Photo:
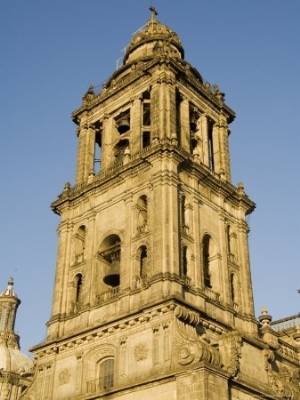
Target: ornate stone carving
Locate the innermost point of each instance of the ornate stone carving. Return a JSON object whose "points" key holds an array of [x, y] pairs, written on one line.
{"points": [[141, 352], [191, 346], [64, 376], [284, 382], [232, 348]]}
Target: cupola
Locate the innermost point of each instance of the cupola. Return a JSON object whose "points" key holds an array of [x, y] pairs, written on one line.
{"points": [[154, 39]]}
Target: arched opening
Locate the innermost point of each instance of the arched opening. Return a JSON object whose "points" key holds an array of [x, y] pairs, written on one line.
{"points": [[142, 212], [143, 261], [110, 253], [76, 295], [205, 261], [79, 244], [78, 283], [210, 264]]}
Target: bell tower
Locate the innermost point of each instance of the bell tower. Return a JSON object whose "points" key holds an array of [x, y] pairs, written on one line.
{"points": [[153, 294]]}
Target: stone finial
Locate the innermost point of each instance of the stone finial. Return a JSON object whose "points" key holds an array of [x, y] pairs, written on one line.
{"points": [[67, 186], [241, 189], [296, 335], [265, 318]]}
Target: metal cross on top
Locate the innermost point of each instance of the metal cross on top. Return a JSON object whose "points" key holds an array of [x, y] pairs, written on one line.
{"points": [[153, 11]]}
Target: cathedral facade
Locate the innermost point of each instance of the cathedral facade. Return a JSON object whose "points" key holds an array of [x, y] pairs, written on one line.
{"points": [[153, 294]]}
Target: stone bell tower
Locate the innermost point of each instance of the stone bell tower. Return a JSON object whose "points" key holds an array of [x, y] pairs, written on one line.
{"points": [[153, 294]]}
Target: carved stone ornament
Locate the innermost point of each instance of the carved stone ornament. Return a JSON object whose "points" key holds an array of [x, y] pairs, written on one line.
{"points": [[64, 376], [186, 354], [190, 346], [231, 351], [285, 383], [141, 352]]}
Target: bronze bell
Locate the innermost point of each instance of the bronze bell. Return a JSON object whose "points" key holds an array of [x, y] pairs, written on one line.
{"points": [[112, 278], [123, 125]]}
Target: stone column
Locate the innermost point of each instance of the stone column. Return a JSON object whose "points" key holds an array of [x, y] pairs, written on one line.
{"points": [[216, 162], [86, 151], [107, 156], [135, 123], [224, 149], [204, 135], [60, 303], [185, 124]]}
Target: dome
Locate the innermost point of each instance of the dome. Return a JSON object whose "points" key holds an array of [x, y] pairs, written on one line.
{"points": [[13, 360], [153, 38], [9, 291]]}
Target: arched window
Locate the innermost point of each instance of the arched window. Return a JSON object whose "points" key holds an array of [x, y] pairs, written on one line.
{"points": [[77, 294], [143, 261], [210, 264], [142, 214], [78, 281], [205, 261], [79, 244], [110, 253], [106, 373]]}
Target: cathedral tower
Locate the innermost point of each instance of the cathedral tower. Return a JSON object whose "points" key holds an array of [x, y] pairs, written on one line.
{"points": [[153, 294]]}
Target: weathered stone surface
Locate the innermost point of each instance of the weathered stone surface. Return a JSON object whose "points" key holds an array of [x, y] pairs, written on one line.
{"points": [[153, 296]]}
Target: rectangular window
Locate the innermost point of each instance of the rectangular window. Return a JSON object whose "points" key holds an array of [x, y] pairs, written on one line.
{"points": [[107, 374]]}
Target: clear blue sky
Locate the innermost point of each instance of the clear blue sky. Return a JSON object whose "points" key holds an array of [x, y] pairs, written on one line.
{"points": [[52, 50]]}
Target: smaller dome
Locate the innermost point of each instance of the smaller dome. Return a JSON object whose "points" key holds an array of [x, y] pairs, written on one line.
{"points": [[13, 360], [154, 37], [9, 291]]}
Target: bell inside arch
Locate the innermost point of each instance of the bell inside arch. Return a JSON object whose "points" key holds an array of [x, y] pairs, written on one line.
{"points": [[112, 277], [123, 125]]}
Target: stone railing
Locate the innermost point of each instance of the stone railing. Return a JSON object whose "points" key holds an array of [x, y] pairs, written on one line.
{"points": [[211, 294], [141, 282], [291, 322], [108, 295]]}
